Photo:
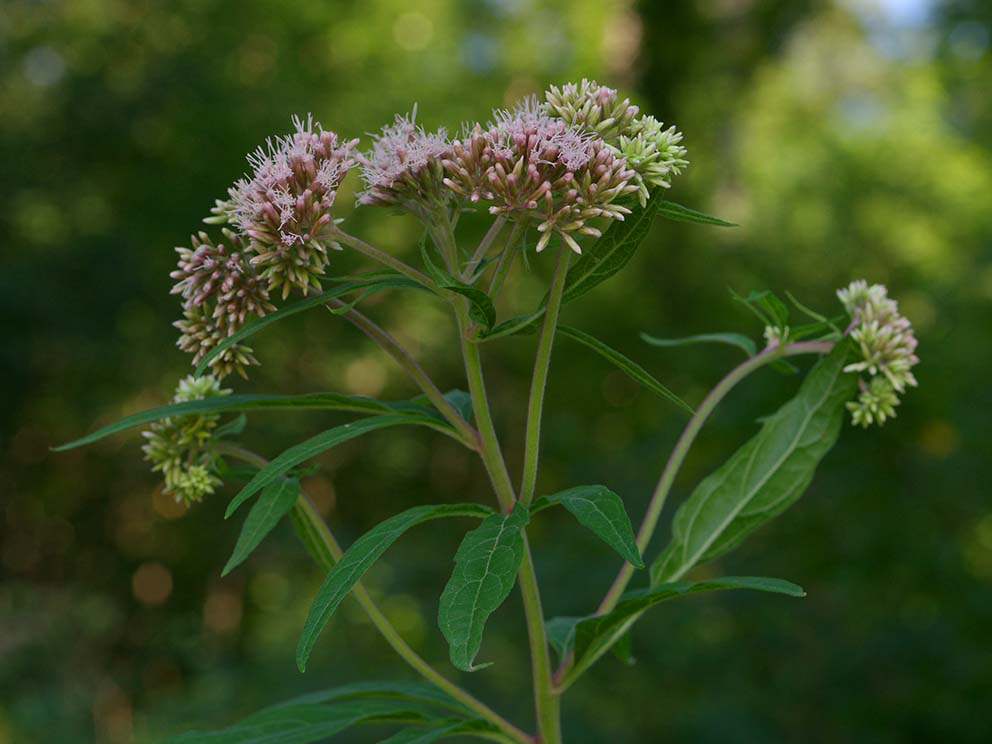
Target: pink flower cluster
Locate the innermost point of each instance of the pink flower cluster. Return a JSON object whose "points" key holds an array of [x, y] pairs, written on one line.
{"points": [[284, 206], [536, 167]]}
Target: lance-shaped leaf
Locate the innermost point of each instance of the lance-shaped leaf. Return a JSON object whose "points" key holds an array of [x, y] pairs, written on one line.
{"points": [[228, 403], [626, 365], [303, 724], [481, 308], [366, 286], [591, 637], [678, 213], [733, 339], [421, 692], [764, 476], [601, 511], [359, 558], [324, 441], [427, 734], [276, 500], [486, 566]]}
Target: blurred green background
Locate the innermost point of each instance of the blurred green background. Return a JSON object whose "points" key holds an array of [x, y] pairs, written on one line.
{"points": [[849, 139]]}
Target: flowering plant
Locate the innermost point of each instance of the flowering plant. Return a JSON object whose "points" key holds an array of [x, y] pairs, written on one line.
{"points": [[580, 174]]}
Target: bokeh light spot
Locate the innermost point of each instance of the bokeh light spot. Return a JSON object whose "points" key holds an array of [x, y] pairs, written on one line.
{"points": [[151, 584]]}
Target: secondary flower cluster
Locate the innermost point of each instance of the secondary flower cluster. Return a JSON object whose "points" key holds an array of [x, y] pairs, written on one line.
{"points": [[180, 447], [887, 347]]}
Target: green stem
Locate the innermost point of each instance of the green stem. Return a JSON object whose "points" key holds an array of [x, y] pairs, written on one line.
{"points": [[326, 551], [489, 449], [546, 702], [685, 442], [505, 262], [562, 678], [484, 245], [542, 363], [382, 257], [417, 373]]}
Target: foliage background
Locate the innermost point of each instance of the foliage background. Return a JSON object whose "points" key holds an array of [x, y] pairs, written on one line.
{"points": [[848, 138]]}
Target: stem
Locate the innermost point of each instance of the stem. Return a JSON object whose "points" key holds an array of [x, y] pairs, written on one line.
{"points": [[484, 245], [489, 447], [382, 257], [684, 443], [326, 551], [505, 262], [546, 702], [393, 347], [542, 362]]}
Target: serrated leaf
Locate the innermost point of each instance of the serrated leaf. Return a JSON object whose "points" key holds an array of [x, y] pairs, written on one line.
{"points": [[678, 213], [764, 476], [322, 442], [304, 724], [593, 636], [486, 566], [732, 339], [602, 512], [626, 365], [359, 558], [226, 403], [613, 251], [276, 500], [370, 285]]}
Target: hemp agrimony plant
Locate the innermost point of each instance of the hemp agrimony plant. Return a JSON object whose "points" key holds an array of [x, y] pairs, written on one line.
{"points": [[581, 176]]}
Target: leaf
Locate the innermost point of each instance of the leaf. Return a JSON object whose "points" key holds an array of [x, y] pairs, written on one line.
{"points": [[404, 689], [600, 510], [486, 566], [232, 428], [519, 324], [427, 735], [623, 649], [221, 404], [733, 339], [276, 500], [360, 557], [322, 442], [629, 367], [593, 636], [769, 309], [481, 308], [678, 213], [764, 476], [610, 253], [303, 724], [372, 284], [560, 632]]}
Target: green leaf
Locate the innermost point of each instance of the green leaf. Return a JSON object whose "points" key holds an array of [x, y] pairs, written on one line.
{"points": [[764, 476], [629, 367], [517, 325], [600, 510], [221, 404], [560, 632], [404, 689], [613, 251], [486, 566], [322, 442], [481, 308], [232, 428], [593, 636], [678, 213], [769, 309], [304, 724], [426, 735], [372, 284], [276, 500], [623, 649], [733, 339], [359, 558]]}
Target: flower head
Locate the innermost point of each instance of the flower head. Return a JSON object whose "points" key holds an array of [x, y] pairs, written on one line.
{"points": [[404, 167], [886, 345], [180, 447], [533, 166], [220, 290], [284, 206], [591, 106], [653, 153]]}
